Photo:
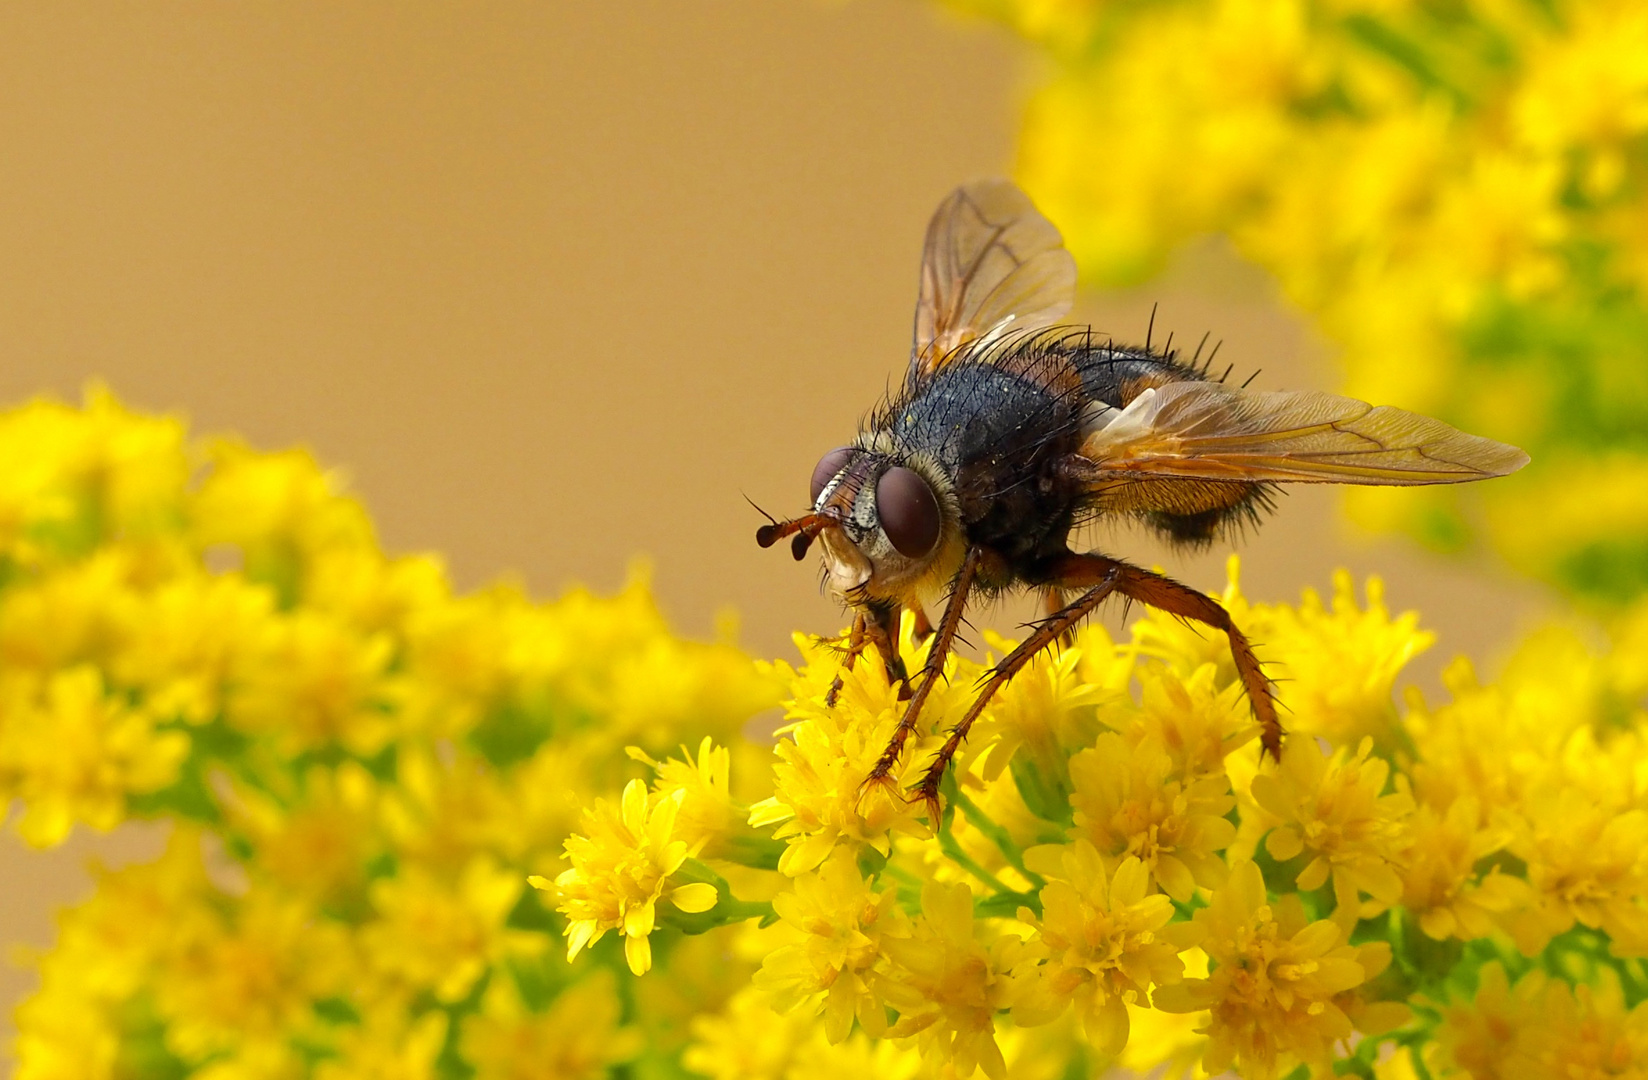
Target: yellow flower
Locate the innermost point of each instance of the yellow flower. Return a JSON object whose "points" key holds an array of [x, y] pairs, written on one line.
{"points": [[77, 476], [1100, 932], [1129, 803], [621, 867], [320, 838], [244, 981], [391, 1043], [1587, 1031], [1335, 810], [182, 638], [748, 1040], [820, 797], [1271, 993], [1047, 710], [442, 934], [1586, 862], [1441, 884], [948, 982], [841, 924], [1479, 1037], [1338, 667], [1196, 720], [707, 812], [1536, 1028], [577, 1037], [78, 614], [306, 681], [442, 810], [75, 753], [277, 507]]}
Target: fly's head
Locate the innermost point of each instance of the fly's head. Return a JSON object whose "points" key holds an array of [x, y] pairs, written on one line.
{"points": [[881, 521]]}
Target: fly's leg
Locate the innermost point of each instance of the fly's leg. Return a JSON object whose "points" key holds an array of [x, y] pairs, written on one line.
{"points": [[1052, 599], [1046, 632], [881, 627], [857, 639], [1165, 594], [931, 670], [922, 628], [1102, 576]]}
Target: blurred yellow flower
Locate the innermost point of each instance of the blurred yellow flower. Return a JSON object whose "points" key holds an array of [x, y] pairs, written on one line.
{"points": [[73, 753], [578, 1037], [1440, 880], [444, 934], [948, 983]]}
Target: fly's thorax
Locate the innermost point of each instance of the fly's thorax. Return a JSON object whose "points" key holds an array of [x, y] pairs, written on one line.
{"points": [[898, 523]]}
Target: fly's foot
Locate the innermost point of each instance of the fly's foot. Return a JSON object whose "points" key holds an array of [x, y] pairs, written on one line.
{"points": [[880, 779], [926, 793]]}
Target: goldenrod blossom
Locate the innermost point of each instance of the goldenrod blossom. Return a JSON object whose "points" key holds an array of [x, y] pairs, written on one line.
{"points": [[1129, 803], [843, 924], [1100, 932], [948, 983], [361, 769], [1273, 983], [620, 869], [1338, 812]]}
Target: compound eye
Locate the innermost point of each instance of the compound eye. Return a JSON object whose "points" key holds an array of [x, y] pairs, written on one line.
{"points": [[827, 467], [908, 510]]}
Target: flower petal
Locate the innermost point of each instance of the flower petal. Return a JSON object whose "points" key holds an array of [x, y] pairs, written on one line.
{"points": [[694, 897]]}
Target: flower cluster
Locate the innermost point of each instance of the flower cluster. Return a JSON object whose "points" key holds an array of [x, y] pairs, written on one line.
{"points": [[1115, 859], [362, 769], [1455, 193], [423, 835]]}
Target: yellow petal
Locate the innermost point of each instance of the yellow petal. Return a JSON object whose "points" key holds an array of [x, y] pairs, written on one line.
{"points": [[694, 897], [635, 808], [638, 951]]}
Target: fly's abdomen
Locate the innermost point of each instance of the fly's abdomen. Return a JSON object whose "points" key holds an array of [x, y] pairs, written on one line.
{"points": [[1189, 512]]}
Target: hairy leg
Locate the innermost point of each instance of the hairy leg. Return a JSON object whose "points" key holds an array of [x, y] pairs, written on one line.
{"points": [[1165, 594], [881, 627], [923, 628], [1102, 576], [857, 640], [1045, 633], [931, 670], [1052, 600]]}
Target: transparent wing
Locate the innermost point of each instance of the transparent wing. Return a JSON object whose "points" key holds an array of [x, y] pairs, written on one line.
{"points": [[991, 263], [1215, 432]]}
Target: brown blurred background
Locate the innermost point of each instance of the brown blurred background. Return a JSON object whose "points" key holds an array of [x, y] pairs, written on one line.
{"points": [[554, 284]]}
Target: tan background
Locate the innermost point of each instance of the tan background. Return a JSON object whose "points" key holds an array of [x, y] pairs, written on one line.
{"points": [[554, 284]]}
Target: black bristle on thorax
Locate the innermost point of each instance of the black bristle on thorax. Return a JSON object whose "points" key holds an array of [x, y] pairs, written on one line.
{"points": [[997, 419]]}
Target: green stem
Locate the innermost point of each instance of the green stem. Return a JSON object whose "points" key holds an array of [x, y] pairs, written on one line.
{"points": [[997, 835], [947, 842]]}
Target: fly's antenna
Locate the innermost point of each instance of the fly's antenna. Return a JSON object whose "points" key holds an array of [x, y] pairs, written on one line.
{"points": [[805, 529]]}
